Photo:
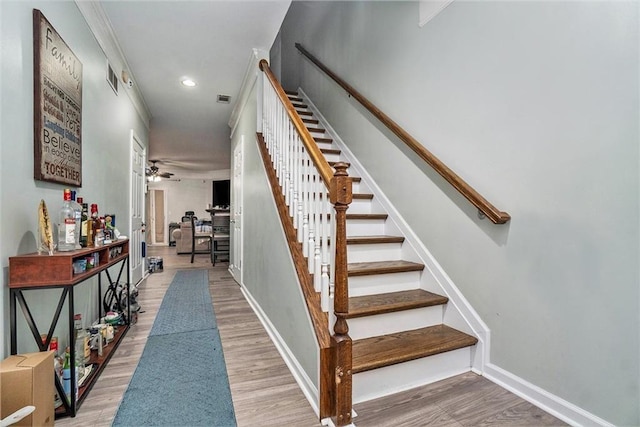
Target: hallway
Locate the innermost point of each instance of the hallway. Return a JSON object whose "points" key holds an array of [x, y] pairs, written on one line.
{"points": [[263, 389]]}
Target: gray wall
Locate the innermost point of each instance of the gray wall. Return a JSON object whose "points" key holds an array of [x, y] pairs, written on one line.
{"points": [[535, 104], [268, 270], [107, 120]]}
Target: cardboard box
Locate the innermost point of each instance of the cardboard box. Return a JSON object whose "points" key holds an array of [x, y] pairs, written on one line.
{"points": [[27, 379]]}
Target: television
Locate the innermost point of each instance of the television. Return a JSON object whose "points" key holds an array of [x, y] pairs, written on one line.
{"points": [[222, 193]]}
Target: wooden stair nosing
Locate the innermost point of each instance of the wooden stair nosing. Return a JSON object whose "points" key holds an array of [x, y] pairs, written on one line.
{"points": [[359, 196], [291, 92], [304, 113], [386, 350], [330, 151], [382, 267], [376, 216], [367, 240], [298, 104], [369, 305], [310, 121], [325, 140], [317, 130]]}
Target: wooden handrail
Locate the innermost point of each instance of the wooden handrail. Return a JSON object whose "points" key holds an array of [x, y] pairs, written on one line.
{"points": [[312, 148], [494, 214]]}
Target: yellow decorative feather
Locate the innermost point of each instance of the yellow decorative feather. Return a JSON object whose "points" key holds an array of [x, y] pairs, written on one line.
{"points": [[46, 234]]}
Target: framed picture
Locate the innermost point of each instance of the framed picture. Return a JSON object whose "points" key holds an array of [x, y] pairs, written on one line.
{"points": [[57, 107]]}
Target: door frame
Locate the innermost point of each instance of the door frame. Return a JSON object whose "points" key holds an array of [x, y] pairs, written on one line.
{"points": [[151, 220], [133, 141], [235, 234]]}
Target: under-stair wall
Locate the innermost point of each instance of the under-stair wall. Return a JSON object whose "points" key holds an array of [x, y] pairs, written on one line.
{"points": [[268, 276], [542, 122]]}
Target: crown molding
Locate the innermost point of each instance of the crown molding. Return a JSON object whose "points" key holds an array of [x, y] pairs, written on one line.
{"points": [[100, 26]]}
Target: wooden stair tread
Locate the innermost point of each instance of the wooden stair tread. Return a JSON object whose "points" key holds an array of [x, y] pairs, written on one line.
{"points": [[365, 240], [376, 216], [385, 350], [297, 104], [362, 196], [359, 196], [382, 267], [320, 139], [310, 121], [317, 130], [304, 113], [394, 301], [330, 151]]}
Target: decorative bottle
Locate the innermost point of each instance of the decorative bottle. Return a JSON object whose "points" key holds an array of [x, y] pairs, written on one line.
{"points": [[77, 210], [66, 376], [83, 222], [66, 224], [80, 343]]}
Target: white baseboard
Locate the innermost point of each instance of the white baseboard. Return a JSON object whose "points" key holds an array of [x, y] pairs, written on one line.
{"points": [[306, 385], [556, 406]]}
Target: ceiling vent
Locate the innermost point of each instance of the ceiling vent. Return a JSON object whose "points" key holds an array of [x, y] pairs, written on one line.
{"points": [[224, 99]]}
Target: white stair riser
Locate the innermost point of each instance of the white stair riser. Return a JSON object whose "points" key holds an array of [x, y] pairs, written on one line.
{"points": [[390, 323], [404, 376], [383, 283], [374, 252], [365, 227], [331, 157], [360, 206]]}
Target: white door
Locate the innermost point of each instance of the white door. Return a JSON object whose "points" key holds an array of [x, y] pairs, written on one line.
{"points": [[136, 209], [235, 265]]}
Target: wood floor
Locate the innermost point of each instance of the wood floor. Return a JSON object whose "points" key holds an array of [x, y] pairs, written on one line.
{"points": [[264, 391]]}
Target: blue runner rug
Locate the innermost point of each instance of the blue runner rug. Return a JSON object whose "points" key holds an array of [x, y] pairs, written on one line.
{"points": [[181, 378]]}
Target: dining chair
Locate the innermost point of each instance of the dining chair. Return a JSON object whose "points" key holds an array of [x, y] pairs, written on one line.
{"points": [[200, 236]]}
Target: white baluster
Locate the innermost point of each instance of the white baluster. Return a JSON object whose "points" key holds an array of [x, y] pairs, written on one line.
{"points": [[305, 204], [297, 219], [326, 209], [312, 218]]}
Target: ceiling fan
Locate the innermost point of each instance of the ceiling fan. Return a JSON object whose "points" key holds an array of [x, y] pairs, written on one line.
{"points": [[153, 172]]}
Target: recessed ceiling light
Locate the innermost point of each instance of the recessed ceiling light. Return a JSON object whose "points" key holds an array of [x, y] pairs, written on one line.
{"points": [[188, 83]]}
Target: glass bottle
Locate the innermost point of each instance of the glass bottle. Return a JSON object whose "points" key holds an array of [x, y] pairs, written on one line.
{"points": [[58, 362], [77, 210], [83, 222], [98, 238], [66, 374], [81, 343], [66, 224]]}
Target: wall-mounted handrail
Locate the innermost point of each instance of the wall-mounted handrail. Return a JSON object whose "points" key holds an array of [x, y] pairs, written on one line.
{"points": [[490, 211]]}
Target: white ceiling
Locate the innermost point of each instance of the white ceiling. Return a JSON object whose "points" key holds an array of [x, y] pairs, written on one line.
{"points": [[208, 41]]}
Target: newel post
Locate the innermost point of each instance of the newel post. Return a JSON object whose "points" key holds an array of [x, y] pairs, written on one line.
{"points": [[340, 196]]}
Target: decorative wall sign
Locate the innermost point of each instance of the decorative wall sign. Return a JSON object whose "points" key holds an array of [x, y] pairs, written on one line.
{"points": [[57, 106]]}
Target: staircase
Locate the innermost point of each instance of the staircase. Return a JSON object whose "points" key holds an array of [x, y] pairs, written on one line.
{"points": [[400, 339]]}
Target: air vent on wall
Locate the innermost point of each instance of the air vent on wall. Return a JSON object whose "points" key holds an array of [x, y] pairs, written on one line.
{"points": [[112, 78], [224, 99]]}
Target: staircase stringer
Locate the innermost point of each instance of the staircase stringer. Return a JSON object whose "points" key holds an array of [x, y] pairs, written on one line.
{"points": [[459, 313]]}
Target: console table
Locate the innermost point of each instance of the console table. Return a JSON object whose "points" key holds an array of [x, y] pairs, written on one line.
{"points": [[33, 271]]}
